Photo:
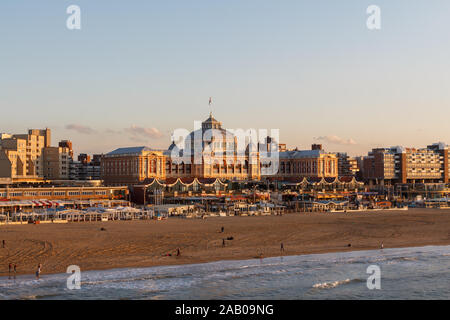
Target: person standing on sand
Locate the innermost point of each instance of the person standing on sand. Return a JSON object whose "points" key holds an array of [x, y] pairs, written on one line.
{"points": [[9, 268], [178, 252], [382, 246], [38, 272], [260, 254], [3, 243], [222, 229], [282, 247], [15, 270], [223, 243]]}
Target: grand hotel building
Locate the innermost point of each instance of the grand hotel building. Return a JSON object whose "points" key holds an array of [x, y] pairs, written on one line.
{"points": [[213, 156]]}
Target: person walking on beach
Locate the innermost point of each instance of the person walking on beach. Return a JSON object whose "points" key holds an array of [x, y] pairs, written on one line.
{"points": [[222, 229], [15, 270], [382, 246], [178, 252], [223, 243], [3, 244], [9, 269], [282, 247], [38, 271]]}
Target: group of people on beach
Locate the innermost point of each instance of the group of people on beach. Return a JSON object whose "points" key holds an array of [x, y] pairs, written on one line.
{"points": [[12, 267]]}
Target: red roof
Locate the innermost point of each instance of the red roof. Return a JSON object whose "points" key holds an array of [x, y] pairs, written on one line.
{"points": [[170, 180]]}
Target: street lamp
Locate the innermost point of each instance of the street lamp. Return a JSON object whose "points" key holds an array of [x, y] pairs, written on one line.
{"points": [[144, 190]]}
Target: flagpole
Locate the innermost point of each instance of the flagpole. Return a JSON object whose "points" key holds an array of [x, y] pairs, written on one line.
{"points": [[210, 107]]}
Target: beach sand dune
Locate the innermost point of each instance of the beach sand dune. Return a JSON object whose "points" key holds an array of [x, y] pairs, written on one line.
{"points": [[151, 243]]}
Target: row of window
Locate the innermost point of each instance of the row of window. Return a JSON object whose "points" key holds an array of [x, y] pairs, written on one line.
{"points": [[50, 193]]}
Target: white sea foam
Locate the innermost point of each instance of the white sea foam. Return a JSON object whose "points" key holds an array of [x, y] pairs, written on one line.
{"points": [[329, 285]]}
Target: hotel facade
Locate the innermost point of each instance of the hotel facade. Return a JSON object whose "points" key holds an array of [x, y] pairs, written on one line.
{"points": [[218, 158], [400, 165], [314, 163], [214, 152]]}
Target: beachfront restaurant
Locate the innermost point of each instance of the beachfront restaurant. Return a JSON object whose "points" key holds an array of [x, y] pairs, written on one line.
{"points": [[32, 210], [175, 186], [315, 184], [440, 203], [167, 210], [323, 206]]}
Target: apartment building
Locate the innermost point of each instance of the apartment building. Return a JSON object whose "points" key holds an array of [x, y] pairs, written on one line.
{"points": [[21, 155], [67, 144], [347, 166], [31, 158], [388, 166], [85, 168], [56, 163], [13, 158]]}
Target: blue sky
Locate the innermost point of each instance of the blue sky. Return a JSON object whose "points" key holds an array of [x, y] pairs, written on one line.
{"points": [[139, 69]]}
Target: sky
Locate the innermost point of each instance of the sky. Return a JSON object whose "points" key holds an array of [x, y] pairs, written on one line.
{"points": [[137, 70]]}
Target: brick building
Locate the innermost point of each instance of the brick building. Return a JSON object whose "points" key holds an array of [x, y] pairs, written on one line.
{"points": [[217, 157], [388, 166], [315, 163]]}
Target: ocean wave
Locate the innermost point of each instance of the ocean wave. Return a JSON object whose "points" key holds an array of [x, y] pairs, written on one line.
{"points": [[322, 276], [30, 297], [136, 279], [332, 284]]}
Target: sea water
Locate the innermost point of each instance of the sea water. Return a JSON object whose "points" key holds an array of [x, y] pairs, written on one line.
{"points": [[406, 273]]}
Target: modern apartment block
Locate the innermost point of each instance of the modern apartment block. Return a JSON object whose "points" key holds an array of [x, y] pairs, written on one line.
{"points": [[21, 155], [67, 144], [31, 158], [388, 166], [85, 168], [56, 163], [347, 166]]}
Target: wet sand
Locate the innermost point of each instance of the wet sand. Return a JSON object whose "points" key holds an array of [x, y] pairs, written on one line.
{"points": [[146, 243]]}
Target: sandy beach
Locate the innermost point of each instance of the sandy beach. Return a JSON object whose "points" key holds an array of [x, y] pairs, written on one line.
{"points": [[146, 243]]}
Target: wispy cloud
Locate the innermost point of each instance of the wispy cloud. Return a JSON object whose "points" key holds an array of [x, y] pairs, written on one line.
{"points": [[138, 133], [80, 128], [336, 140], [112, 131]]}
